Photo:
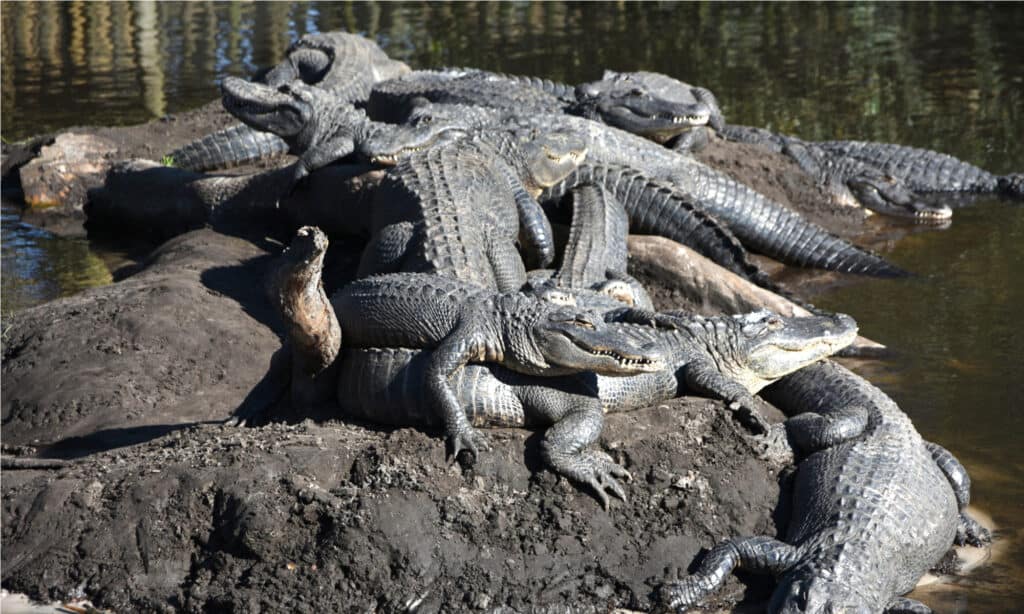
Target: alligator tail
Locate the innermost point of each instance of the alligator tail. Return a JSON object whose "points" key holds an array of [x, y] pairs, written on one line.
{"points": [[658, 209], [769, 228], [229, 147]]}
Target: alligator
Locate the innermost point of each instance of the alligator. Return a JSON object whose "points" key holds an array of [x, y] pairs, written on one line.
{"points": [[851, 181], [457, 209], [464, 323], [347, 65], [924, 170], [613, 102], [874, 505], [667, 88], [760, 224], [725, 357], [319, 127]]}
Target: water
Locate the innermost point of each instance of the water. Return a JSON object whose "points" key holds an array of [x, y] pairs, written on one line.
{"points": [[942, 76]]}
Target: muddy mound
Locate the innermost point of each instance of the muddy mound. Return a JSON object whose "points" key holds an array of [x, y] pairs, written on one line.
{"points": [[338, 517], [187, 339]]}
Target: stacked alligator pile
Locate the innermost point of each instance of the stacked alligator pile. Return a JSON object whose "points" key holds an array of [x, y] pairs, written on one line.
{"points": [[468, 312]]}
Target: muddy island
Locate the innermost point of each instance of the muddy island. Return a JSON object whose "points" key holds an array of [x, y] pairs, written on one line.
{"points": [[155, 458]]}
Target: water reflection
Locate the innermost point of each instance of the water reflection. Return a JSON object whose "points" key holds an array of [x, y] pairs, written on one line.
{"points": [[939, 75]]}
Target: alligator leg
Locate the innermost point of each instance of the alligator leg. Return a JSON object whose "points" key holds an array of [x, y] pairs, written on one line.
{"points": [[576, 420], [460, 347], [694, 139], [755, 554], [905, 605], [706, 379], [810, 431], [969, 530], [386, 250], [507, 264]]}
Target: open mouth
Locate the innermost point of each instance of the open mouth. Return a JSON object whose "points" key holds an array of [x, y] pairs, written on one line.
{"points": [[627, 361]]}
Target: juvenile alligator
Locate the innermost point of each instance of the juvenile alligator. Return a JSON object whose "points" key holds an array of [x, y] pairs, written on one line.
{"points": [[875, 506], [614, 102], [463, 323], [924, 170], [457, 209], [760, 224], [347, 65], [851, 181]]}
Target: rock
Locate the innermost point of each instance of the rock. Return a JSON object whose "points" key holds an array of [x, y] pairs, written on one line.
{"points": [[65, 170]]}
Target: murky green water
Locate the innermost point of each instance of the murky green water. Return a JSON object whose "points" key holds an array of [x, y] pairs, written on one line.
{"points": [[943, 76]]}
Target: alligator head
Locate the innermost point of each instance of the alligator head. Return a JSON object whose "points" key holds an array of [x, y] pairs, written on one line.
{"points": [[317, 126], [763, 347], [884, 194], [549, 158], [313, 57], [805, 593], [568, 340], [630, 105], [389, 144]]}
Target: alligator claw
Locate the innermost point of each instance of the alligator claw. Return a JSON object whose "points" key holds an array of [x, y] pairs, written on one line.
{"points": [[470, 440], [970, 532], [674, 596], [599, 471], [748, 416]]}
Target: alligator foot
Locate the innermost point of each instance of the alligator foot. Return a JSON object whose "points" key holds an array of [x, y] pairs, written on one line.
{"points": [[744, 409], [595, 469], [773, 446], [470, 440], [970, 532]]}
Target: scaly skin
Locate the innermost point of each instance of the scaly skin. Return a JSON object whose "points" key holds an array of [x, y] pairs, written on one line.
{"points": [[923, 170], [463, 323], [347, 65], [385, 384], [851, 181], [666, 88], [874, 505], [610, 101], [457, 209], [761, 224]]}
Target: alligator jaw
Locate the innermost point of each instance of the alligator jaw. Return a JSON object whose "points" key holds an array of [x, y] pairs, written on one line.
{"points": [[264, 108], [658, 126]]}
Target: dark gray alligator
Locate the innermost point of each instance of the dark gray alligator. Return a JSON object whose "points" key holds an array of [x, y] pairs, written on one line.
{"points": [[924, 170], [874, 505], [616, 103], [850, 180], [667, 88], [463, 323], [457, 209], [760, 224], [319, 127], [347, 65]]}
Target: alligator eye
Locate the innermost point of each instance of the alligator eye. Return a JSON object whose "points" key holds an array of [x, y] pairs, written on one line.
{"points": [[284, 89], [584, 323], [636, 92], [774, 323]]}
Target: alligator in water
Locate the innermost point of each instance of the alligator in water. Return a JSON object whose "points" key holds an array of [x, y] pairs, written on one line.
{"points": [[874, 505], [924, 170], [850, 181], [347, 65], [760, 224], [619, 104]]}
